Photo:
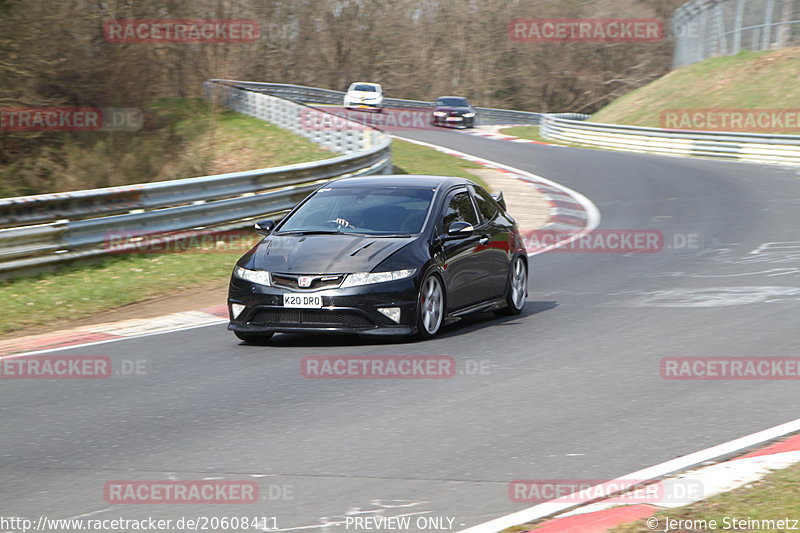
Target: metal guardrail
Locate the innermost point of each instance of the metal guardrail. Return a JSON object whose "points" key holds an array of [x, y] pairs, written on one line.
{"points": [[750, 147], [54, 228], [313, 95]]}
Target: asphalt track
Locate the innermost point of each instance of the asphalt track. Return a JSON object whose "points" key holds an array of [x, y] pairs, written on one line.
{"points": [[570, 390]]}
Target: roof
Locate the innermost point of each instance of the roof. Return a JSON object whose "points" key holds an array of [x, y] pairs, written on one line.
{"points": [[400, 180]]}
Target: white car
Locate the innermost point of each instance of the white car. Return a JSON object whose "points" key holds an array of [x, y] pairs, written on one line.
{"points": [[363, 95]]}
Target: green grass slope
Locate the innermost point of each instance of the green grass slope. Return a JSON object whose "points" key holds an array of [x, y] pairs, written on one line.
{"points": [[749, 80]]}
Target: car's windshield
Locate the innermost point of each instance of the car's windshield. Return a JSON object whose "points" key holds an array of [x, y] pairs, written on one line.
{"points": [[454, 102], [365, 88], [372, 211]]}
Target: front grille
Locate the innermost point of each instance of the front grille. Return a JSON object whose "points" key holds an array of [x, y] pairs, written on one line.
{"points": [[290, 281], [311, 317]]}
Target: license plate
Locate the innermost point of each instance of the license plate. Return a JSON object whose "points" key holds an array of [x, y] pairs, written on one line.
{"points": [[302, 300], [453, 119]]}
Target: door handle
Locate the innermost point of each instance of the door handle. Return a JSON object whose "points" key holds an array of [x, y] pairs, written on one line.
{"points": [[484, 240]]}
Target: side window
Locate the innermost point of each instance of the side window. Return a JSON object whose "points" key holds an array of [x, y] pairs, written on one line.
{"points": [[486, 204], [460, 208]]}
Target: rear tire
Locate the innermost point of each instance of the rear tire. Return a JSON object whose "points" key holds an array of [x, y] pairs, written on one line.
{"points": [[430, 307], [517, 289], [254, 338]]}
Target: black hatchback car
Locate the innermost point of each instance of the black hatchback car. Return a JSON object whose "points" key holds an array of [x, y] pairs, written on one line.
{"points": [[453, 111], [380, 255]]}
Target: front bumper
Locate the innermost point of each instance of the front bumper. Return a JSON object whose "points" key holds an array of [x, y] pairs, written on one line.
{"points": [[350, 310], [352, 104], [454, 121]]}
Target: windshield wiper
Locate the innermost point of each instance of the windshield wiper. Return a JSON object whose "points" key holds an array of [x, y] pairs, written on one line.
{"points": [[340, 232]]}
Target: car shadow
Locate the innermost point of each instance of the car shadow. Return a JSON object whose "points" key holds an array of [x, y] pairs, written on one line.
{"points": [[466, 325], [488, 320]]}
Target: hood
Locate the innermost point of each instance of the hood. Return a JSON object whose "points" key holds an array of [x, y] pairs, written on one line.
{"points": [[324, 254]]}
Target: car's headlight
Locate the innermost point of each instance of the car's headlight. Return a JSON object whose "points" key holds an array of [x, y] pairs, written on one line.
{"points": [[468, 115], [368, 278], [439, 114], [255, 276]]}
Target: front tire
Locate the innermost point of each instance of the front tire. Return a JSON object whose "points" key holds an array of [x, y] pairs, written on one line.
{"points": [[430, 307], [517, 288], [254, 338]]}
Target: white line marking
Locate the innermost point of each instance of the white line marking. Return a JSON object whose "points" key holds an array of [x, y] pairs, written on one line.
{"points": [[105, 341], [567, 212], [559, 505], [89, 513]]}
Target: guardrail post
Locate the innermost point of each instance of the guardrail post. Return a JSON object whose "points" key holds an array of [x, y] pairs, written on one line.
{"points": [[719, 24], [768, 21], [737, 30]]}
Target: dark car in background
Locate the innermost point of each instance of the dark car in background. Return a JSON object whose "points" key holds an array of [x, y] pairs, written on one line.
{"points": [[453, 111], [380, 255]]}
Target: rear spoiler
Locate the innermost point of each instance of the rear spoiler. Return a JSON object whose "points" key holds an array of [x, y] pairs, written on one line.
{"points": [[500, 200]]}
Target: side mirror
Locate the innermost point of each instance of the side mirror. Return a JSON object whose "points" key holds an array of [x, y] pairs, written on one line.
{"points": [[459, 230], [502, 201], [264, 227]]}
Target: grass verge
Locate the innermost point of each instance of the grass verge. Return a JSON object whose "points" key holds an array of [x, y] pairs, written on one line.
{"points": [[532, 133], [83, 290], [410, 158], [775, 497], [525, 132]]}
